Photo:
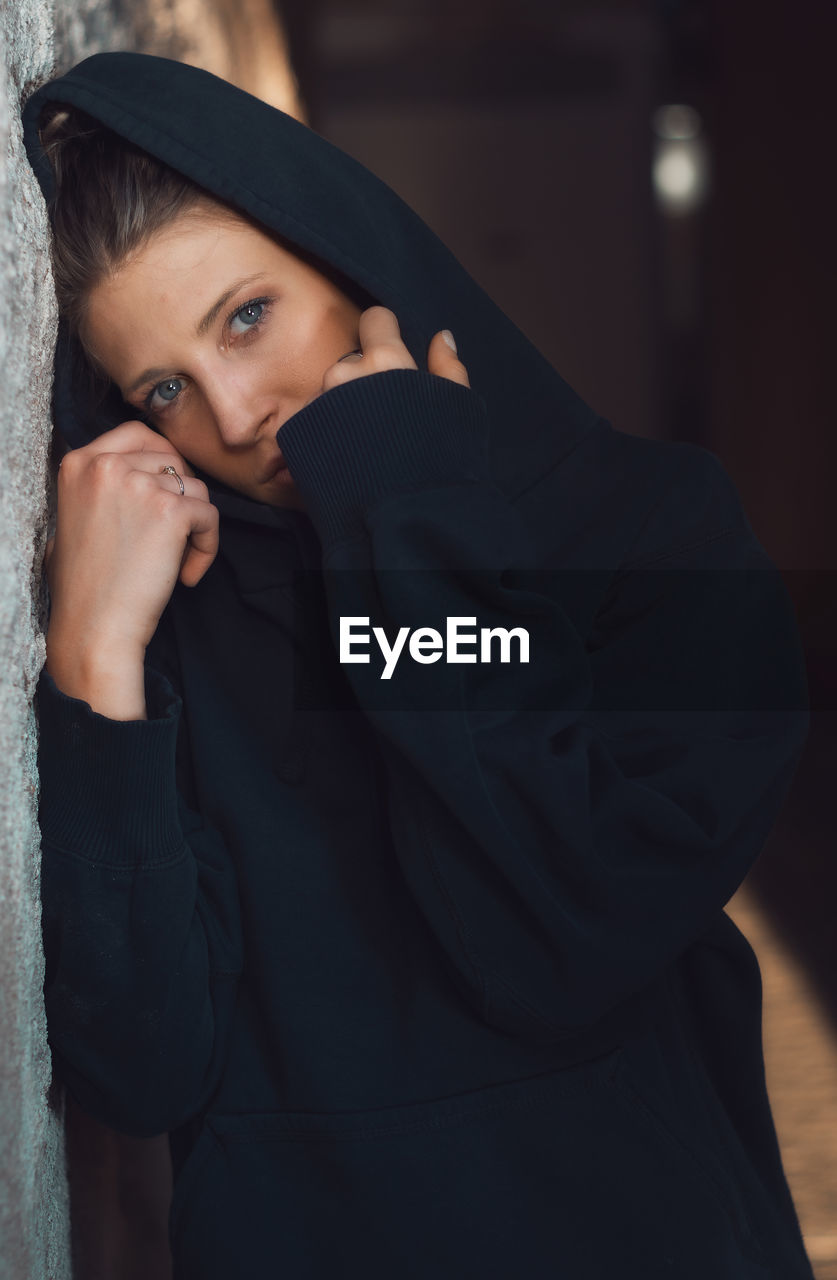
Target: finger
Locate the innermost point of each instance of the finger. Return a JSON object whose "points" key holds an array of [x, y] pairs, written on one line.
{"points": [[112, 468], [380, 338], [381, 349], [180, 465], [161, 448], [444, 362], [128, 437], [191, 488], [156, 463], [343, 370], [202, 546]]}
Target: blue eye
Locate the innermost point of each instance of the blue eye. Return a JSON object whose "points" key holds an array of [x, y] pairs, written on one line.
{"points": [[168, 391], [249, 314]]}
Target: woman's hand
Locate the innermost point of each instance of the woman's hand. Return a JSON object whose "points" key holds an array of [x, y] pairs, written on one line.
{"points": [[382, 349], [124, 534]]}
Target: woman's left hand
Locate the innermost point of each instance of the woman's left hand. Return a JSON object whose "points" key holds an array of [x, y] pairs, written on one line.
{"points": [[382, 349]]}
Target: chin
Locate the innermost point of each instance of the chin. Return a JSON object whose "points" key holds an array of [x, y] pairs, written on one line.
{"points": [[290, 498]]}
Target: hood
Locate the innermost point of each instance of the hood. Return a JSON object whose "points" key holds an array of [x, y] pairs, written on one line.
{"points": [[295, 182]]}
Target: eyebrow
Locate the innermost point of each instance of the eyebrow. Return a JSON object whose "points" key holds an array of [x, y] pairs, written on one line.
{"points": [[202, 327]]}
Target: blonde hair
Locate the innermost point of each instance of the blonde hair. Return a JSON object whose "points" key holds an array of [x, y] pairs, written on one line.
{"points": [[109, 197]]}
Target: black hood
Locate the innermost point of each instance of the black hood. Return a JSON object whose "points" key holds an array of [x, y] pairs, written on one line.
{"points": [[282, 173]]}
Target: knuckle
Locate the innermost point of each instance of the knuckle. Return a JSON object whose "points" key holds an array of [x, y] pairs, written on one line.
{"points": [[130, 427], [70, 463], [106, 467], [136, 481]]}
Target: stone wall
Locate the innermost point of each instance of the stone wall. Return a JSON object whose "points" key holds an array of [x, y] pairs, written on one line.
{"points": [[39, 39]]}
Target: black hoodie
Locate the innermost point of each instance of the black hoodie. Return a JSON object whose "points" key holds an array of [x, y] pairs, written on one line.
{"points": [[428, 977]]}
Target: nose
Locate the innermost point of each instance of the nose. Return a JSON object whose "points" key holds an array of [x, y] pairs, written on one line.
{"points": [[236, 404]]}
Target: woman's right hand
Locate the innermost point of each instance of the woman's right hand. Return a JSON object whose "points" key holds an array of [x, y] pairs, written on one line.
{"points": [[124, 534]]}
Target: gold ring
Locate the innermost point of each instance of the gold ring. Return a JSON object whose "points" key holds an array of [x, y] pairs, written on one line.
{"points": [[171, 472]]}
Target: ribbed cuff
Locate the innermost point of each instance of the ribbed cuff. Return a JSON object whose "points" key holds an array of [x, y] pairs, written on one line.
{"points": [[108, 789], [377, 435]]}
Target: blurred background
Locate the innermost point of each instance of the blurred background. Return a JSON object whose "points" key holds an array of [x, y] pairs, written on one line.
{"points": [[645, 187]]}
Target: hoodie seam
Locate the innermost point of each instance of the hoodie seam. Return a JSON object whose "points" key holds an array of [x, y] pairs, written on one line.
{"points": [[693, 545], [164, 863], [548, 474]]}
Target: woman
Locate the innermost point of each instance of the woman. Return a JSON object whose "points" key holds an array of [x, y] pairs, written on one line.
{"points": [[418, 955]]}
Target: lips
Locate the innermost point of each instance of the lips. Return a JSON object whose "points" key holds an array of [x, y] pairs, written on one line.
{"points": [[277, 465]]}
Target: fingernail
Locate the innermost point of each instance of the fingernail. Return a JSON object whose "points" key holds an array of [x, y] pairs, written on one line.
{"points": [[448, 337]]}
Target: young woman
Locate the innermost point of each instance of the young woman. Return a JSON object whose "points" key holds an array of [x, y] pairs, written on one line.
{"points": [[404, 730]]}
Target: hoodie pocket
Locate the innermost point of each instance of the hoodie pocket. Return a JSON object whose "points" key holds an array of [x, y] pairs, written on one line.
{"points": [[544, 1176]]}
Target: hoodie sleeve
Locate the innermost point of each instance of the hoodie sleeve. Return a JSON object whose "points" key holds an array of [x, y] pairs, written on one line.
{"points": [[567, 825], [140, 918]]}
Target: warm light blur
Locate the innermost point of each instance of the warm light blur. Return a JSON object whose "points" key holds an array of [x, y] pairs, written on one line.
{"points": [[680, 171], [241, 41]]}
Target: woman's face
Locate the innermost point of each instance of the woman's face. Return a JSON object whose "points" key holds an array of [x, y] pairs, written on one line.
{"points": [[220, 335]]}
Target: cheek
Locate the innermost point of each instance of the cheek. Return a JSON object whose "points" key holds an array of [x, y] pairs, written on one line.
{"points": [[296, 363], [188, 436], [338, 331]]}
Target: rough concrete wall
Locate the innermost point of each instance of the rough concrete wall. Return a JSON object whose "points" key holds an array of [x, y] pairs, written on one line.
{"points": [[38, 39], [33, 1195]]}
